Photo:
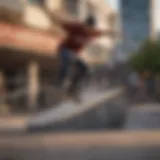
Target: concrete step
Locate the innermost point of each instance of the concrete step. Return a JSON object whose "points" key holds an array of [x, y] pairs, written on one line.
{"points": [[144, 116], [71, 115]]}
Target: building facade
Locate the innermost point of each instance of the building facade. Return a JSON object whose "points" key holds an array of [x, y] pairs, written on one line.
{"points": [[28, 46], [136, 23]]}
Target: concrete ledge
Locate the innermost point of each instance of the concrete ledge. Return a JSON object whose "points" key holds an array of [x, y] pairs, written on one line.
{"points": [[73, 115], [10, 124]]}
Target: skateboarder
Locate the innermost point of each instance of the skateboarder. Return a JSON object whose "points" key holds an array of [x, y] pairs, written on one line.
{"points": [[68, 60]]}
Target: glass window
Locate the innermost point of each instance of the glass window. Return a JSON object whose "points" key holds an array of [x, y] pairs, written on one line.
{"points": [[41, 2], [71, 6]]}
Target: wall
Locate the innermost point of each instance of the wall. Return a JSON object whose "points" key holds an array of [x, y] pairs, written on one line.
{"points": [[54, 4], [102, 11], [32, 14], [35, 17]]}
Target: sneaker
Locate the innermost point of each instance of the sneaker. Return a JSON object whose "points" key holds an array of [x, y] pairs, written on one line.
{"points": [[75, 97]]}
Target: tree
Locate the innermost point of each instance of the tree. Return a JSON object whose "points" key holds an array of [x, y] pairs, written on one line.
{"points": [[147, 58]]}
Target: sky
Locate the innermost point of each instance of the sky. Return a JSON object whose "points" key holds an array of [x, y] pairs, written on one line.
{"points": [[114, 3]]}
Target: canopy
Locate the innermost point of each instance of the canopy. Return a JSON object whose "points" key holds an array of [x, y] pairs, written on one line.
{"points": [[27, 39]]}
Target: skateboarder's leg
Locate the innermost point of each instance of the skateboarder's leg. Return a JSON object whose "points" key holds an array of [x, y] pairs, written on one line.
{"points": [[80, 72], [65, 63]]}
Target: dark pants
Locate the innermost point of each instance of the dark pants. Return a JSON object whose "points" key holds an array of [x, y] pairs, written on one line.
{"points": [[80, 72], [80, 69], [65, 65]]}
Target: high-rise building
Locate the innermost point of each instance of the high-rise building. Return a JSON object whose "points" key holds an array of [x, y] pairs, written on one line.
{"points": [[136, 24]]}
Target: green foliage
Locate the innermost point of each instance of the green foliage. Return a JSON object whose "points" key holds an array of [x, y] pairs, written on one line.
{"points": [[147, 58]]}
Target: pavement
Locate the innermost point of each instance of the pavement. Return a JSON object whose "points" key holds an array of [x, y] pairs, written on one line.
{"points": [[82, 146], [84, 139], [143, 116], [90, 98], [139, 139]]}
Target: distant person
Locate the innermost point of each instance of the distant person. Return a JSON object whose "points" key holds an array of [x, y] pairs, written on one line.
{"points": [[150, 82], [111, 72], [133, 81]]}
